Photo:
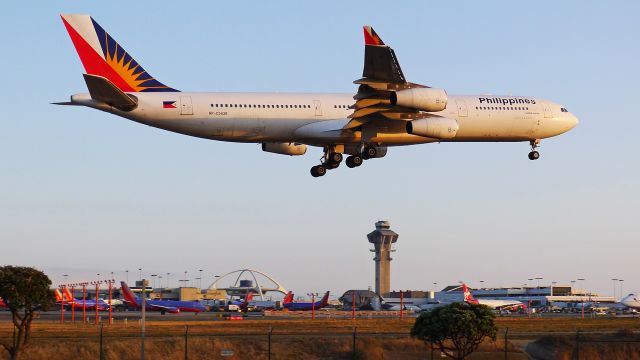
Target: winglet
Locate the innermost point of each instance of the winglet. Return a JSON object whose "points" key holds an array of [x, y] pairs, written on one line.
{"points": [[370, 36]]}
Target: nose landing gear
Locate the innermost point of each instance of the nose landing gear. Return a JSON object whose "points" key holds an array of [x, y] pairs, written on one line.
{"points": [[534, 155]]}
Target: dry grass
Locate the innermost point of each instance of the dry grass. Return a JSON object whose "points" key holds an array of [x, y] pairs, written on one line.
{"points": [[292, 338]]}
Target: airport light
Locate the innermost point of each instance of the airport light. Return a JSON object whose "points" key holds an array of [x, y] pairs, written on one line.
{"points": [[538, 278], [153, 281], [140, 269], [200, 278], [143, 318], [168, 277], [110, 300], [615, 281], [313, 305], [482, 284], [620, 281], [84, 302], [127, 276], [582, 296], [73, 308], [62, 305], [185, 278], [435, 284]]}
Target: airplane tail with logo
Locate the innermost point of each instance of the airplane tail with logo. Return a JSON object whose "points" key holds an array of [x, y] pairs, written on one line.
{"points": [[58, 295], [468, 298], [288, 298], [68, 296], [103, 57], [325, 300], [129, 296]]}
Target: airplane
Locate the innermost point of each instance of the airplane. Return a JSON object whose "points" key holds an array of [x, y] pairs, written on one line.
{"points": [[77, 303], [294, 306], [170, 306], [631, 301], [388, 110], [492, 303], [72, 302], [288, 298]]}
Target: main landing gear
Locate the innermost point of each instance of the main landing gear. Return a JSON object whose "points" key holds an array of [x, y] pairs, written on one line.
{"points": [[332, 160], [534, 155]]}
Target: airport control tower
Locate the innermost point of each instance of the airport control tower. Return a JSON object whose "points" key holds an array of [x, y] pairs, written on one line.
{"points": [[383, 239]]}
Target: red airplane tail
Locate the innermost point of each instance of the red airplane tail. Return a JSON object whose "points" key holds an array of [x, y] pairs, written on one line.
{"points": [[68, 295], [325, 299], [58, 295], [129, 296], [288, 298], [468, 298]]}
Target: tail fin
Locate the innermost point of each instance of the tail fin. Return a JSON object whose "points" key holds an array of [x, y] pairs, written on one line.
{"points": [[288, 298], [103, 56], [325, 299], [58, 295], [468, 298], [68, 296], [129, 296]]}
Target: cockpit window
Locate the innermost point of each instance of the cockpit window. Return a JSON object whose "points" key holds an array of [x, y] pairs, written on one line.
{"points": [[564, 110]]}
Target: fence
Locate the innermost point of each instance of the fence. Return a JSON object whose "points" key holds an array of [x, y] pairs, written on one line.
{"points": [[353, 345]]}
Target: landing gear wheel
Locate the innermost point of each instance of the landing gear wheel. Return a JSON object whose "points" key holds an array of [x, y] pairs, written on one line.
{"points": [[334, 157], [369, 152], [354, 161], [534, 155], [318, 170], [331, 165]]}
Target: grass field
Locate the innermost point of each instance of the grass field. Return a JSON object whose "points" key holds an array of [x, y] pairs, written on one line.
{"points": [[291, 338]]}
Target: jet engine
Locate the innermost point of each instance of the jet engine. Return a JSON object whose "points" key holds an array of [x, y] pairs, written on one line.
{"points": [[433, 127], [292, 149], [425, 99]]}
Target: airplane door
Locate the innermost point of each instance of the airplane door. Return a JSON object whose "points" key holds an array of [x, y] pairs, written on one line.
{"points": [[547, 110], [186, 108], [317, 105], [462, 108]]}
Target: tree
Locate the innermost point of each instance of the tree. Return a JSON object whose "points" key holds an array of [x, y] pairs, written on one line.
{"points": [[25, 290], [456, 329]]}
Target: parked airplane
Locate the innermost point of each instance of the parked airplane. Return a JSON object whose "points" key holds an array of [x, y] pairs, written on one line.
{"points": [[291, 305], [388, 110], [170, 306], [631, 301], [288, 298], [493, 303], [77, 303]]}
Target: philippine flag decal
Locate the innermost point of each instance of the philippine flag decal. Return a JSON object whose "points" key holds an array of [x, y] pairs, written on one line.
{"points": [[168, 104]]}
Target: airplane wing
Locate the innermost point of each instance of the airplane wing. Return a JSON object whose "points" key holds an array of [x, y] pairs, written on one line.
{"points": [[381, 78], [169, 309]]}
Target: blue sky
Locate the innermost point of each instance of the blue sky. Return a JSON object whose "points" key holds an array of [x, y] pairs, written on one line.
{"points": [[86, 192]]}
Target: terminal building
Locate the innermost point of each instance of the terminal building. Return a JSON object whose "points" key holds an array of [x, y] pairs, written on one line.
{"points": [[533, 295]]}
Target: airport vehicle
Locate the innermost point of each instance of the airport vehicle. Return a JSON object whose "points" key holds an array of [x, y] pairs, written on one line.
{"points": [[631, 301], [388, 110], [170, 306], [493, 303], [292, 305]]}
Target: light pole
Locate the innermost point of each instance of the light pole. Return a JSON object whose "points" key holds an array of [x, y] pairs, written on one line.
{"points": [[185, 278], [200, 278], [582, 295], [435, 284], [615, 281], [620, 281], [153, 281], [168, 277], [127, 276], [140, 270], [481, 284], [553, 285]]}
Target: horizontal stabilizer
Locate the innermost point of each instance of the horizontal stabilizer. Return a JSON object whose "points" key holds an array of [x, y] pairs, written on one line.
{"points": [[64, 103], [101, 89]]}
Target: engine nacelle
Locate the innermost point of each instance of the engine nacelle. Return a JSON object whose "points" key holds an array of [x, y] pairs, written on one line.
{"points": [[435, 127], [291, 149], [425, 99]]}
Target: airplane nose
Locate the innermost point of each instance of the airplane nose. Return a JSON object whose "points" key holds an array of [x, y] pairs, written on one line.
{"points": [[571, 121]]}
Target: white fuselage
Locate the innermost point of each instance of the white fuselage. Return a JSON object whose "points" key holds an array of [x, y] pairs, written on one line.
{"points": [[318, 119]]}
